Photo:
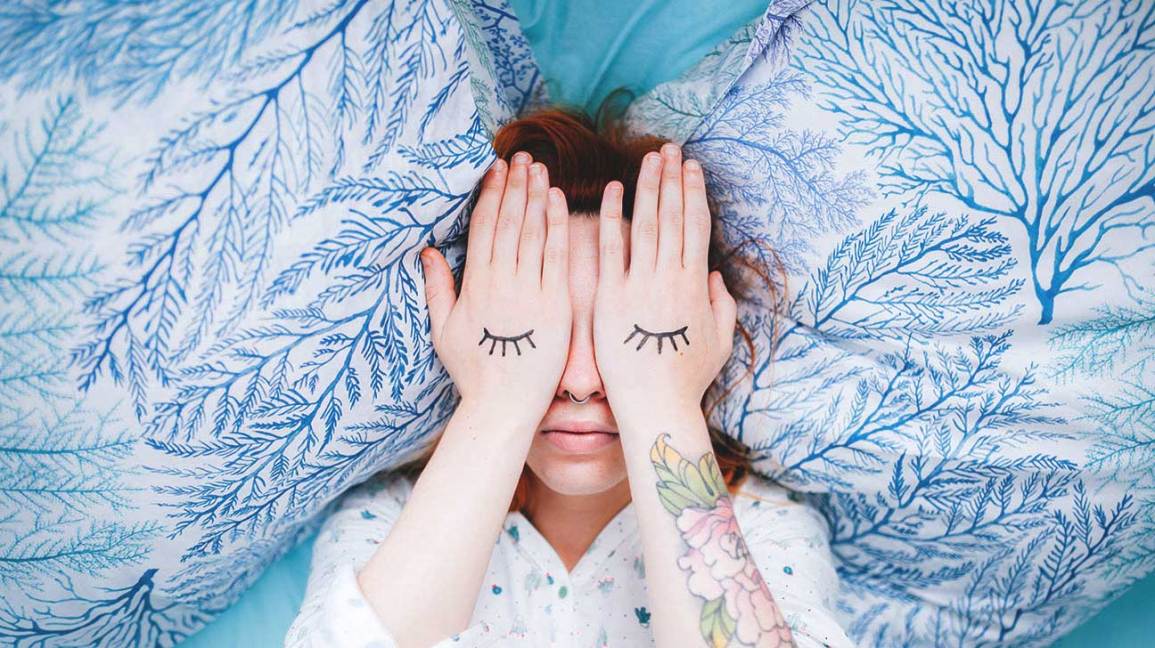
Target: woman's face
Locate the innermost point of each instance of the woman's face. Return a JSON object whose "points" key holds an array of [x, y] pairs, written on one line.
{"points": [[588, 463]]}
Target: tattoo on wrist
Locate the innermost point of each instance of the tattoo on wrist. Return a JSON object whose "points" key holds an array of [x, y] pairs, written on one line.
{"points": [[736, 602], [670, 335], [514, 340]]}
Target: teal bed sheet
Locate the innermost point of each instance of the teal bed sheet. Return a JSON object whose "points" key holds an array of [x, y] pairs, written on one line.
{"points": [[263, 614], [588, 48]]}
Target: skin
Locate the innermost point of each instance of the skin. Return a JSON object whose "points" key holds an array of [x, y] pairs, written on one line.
{"points": [[573, 496], [595, 296]]}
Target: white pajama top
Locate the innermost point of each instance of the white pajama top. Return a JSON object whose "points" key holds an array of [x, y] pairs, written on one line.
{"points": [[529, 599]]}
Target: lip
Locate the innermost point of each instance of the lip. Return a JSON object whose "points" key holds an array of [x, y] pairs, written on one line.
{"points": [[579, 442], [578, 426], [578, 436]]}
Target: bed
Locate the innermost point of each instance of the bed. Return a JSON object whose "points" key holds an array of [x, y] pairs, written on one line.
{"points": [[209, 247]]}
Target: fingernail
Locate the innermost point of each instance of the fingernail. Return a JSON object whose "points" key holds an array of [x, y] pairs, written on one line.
{"points": [[669, 149], [653, 160], [535, 170], [521, 157], [693, 166]]}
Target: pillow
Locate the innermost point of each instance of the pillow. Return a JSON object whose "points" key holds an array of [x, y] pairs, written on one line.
{"points": [[212, 319], [961, 375]]}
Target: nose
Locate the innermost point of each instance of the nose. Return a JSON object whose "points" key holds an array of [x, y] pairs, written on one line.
{"points": [[581, 378]]}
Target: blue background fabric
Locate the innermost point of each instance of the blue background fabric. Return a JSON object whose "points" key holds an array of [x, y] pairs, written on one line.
{"points": [[212, 317], [977, 424], [584, 51], [262, 615], [213, 324], [588, 48]]}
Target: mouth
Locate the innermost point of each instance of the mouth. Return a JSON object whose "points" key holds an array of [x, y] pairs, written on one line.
{"points": [[579, 441]]}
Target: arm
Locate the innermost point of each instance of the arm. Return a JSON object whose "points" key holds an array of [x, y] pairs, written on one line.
{"points": [[366, 536], [424, 579], [695, 554], [409, 582], [334, 612], [790, 542]]}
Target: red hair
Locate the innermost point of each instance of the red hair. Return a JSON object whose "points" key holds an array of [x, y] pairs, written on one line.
{"points": [[582, 158], [581, 161]]}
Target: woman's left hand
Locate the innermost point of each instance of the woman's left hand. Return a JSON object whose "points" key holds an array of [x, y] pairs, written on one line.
{"points": [[664, 325]]}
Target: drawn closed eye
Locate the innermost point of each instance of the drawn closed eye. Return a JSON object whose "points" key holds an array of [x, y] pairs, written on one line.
{"points": [[646, 335], [514, 340]]}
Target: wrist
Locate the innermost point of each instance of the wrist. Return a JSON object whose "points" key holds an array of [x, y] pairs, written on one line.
{"points": [[657, 413], [496, 416]]}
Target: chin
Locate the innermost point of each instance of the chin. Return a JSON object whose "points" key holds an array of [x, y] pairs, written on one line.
{"points": [[576, 473]]}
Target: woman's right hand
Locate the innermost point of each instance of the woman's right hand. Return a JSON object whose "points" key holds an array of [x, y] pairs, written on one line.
{"points": [[505, 339]]}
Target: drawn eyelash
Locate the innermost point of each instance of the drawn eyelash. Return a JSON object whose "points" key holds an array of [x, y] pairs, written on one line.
{"points": [[486, 335], [647, 335]]}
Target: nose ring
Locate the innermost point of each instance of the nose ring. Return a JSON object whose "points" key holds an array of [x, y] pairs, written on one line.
{"points": [[586, 399]]}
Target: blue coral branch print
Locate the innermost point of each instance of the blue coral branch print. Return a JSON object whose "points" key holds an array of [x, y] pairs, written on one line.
{"points": [[253, 340], [992, 109], [970, 174], [212, 320]]}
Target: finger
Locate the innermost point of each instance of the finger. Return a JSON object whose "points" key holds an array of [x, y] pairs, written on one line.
{"points": [[696, 249], [530, 248], [670, 209], [725, 309], [644, 228], [612, 265], [555, 261], [482, 222], [439, 291], [510, 216]]}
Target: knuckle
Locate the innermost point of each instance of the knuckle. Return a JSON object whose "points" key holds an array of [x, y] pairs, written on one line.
{"points": [[647, 228], [506, 223], [494, 182], [554, 254], [480, 217]]}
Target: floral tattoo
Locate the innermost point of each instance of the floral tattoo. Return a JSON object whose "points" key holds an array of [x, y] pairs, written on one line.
{"points": [[738, 608]]}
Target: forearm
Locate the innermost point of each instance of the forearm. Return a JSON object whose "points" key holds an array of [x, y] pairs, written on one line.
{"points": [[424, 579], [702, 579]]}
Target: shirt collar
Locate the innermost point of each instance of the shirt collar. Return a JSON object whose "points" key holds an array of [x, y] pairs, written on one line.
{"points": [[525, 537]]}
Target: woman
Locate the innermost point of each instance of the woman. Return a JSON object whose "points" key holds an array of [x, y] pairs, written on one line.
{"points": [[577, 497]]}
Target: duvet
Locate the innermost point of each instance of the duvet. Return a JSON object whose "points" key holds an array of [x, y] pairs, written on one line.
{"points": [[212, 323]]}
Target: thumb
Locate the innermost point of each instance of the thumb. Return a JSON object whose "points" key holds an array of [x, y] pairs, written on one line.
{"points": [[439, 291], [724, 307]]}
